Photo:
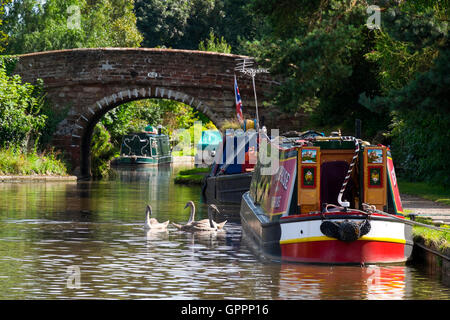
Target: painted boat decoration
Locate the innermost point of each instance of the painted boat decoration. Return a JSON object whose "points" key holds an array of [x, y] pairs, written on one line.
{"points": [[324, 203], [150, 147]]}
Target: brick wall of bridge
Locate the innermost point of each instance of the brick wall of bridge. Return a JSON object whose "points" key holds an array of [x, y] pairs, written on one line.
{"points": [[83, 84]]}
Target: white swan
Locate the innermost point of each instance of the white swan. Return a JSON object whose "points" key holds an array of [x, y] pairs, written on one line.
{"points": [[201, 225], [152, 223]]}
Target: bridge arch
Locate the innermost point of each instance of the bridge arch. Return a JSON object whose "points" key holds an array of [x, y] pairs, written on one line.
{"points": [[83, 84], [84, 125]]}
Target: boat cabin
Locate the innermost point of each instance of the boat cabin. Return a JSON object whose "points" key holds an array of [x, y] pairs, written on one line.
{"points": [[231, 171], [312, 172], [235, 154], [206, 147]]}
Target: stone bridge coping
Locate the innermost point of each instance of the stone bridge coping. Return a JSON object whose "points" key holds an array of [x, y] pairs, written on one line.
{"points": [[193, 52]]}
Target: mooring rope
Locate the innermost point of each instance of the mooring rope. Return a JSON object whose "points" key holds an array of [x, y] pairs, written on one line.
{"points": [[371, 208], [350, 169]]}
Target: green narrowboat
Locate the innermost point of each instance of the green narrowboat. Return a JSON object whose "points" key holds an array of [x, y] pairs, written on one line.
{"points": [[150, 148]]}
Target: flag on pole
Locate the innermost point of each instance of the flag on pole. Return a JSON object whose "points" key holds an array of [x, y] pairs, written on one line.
{"points": [[238, 101]]}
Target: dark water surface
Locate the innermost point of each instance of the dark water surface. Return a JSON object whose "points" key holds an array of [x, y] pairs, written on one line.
{"points": [[86, 240]]}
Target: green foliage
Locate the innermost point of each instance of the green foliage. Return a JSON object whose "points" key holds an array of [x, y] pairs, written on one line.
{"points": [[102, 151], [214, 44], [25, 114], [26, 117], [3, 35], [64, 24], [397, 64], [15, 161], [53, 118], [20, 107], [317, 49], [183, 24], [8, 62], [395, 79], [413, 57], [136, 115], [421, 119], [163, 23]]}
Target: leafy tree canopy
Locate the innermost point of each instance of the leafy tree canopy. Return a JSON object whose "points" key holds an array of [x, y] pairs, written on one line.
{"points": [[64, 24], [214, 44], [394, 77], [183, 24]]}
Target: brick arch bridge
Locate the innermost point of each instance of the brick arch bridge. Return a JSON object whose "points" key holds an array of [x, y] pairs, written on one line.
{"points": [[84, 84]]}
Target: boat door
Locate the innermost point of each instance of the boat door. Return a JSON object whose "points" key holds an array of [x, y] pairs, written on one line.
{"points": [[153, 147]]}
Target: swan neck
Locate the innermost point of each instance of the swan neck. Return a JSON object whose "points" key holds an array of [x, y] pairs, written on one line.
{"points": [[191, 217], [148, 213], [210, 219]]}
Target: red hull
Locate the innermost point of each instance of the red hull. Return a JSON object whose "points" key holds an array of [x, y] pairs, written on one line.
{"points": [[335, 251]]}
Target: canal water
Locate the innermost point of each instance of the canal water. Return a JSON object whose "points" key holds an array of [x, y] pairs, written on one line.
{"points": [[86, 241]]}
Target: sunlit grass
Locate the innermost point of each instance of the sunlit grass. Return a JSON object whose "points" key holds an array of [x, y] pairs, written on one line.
{"points": [[191, 176], [439, 240], [194, 171], [15, 162], [435, 239]]}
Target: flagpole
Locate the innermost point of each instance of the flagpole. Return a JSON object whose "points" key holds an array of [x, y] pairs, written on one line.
{"points": [[256, 103], [239, 113]]}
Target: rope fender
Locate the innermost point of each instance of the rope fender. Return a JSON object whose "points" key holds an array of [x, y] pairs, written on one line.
{"points": [[346, 230]]}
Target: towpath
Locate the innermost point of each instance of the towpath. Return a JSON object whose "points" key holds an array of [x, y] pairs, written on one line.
{"points": [[426, 208]]}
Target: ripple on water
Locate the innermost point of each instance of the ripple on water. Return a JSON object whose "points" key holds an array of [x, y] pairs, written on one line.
{"points": [[97, 226]]}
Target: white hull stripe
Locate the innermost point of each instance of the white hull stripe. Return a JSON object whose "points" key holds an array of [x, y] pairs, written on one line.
{"points": [[305, 231], [325, 238]]}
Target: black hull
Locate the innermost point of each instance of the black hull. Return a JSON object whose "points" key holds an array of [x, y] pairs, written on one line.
{"points": [[262, 235], [226, 189]]}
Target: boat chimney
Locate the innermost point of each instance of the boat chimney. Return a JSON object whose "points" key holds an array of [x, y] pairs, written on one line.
{"points": [[358, 128]]}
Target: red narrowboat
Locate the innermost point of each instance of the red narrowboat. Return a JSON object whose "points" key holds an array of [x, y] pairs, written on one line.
{"points": [[319, 199]]}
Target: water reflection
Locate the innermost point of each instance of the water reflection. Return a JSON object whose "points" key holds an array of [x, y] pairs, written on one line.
{"points": [[343, 282], [47, 229]]}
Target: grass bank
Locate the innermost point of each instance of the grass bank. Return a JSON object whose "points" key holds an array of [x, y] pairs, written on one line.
{"points": [[191, 176], [14, 162], [425, 190], [434, 239]]}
